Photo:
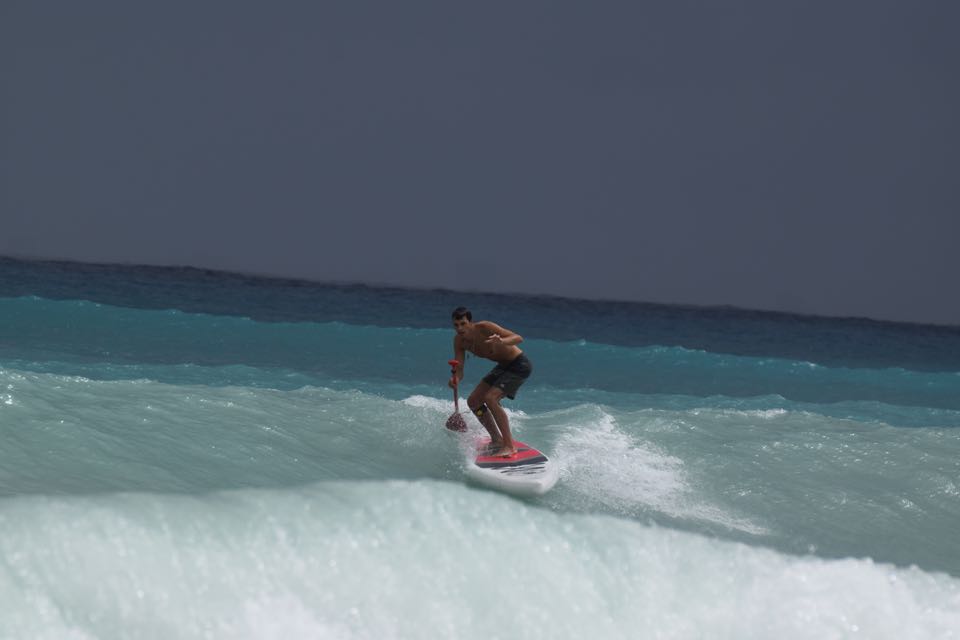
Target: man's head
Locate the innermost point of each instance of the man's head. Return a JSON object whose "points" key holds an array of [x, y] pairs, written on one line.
{"points": [[462, 319]]}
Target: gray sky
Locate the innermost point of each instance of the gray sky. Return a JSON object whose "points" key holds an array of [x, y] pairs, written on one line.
{"points": [[799, 156]]}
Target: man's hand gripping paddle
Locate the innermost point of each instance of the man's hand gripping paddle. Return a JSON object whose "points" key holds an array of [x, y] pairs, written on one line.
{"points": [[456, 421]]}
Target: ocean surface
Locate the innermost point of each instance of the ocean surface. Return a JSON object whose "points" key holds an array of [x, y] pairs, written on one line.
{"points": [[195, 454]]}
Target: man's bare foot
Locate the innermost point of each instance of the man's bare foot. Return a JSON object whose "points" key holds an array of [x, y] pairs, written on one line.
{"points": [[505, 452], [493, 446]]}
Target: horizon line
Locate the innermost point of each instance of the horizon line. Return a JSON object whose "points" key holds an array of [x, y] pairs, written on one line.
{"points": [[516, 294]]}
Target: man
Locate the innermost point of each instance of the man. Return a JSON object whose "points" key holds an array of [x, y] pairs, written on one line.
{"points": [[493, 342]]}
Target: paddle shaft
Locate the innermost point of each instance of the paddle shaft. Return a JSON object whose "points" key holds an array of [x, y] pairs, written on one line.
{"points": [[456, 384]]}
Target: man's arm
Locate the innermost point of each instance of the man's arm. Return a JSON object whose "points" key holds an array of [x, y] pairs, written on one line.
{"points": [[507, 337], [459, 356]]}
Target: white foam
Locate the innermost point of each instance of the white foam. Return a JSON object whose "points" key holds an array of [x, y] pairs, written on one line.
{"points": [[763, 414], [436, 404], [421, 560], [605, 464]]}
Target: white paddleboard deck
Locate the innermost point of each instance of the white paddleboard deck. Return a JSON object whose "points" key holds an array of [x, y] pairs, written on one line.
{"points": [[528, 472]]}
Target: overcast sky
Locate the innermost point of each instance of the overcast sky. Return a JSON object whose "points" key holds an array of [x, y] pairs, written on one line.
{"points": [[799, 156]]}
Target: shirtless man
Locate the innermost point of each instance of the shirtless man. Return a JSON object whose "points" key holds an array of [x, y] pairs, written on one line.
{"points": [[488, 340]]}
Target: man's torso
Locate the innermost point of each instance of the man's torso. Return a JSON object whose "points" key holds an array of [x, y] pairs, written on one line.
{"points": [[476, 344]]}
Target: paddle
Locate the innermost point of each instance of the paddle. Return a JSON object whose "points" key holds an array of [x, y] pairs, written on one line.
{"points": [[456, 421]]}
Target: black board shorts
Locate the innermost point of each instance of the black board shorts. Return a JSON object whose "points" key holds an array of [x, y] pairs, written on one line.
{"points": [[508, 377]]}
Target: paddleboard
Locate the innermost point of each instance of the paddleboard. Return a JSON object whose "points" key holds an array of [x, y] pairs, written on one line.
{"points": [[528, 472]]}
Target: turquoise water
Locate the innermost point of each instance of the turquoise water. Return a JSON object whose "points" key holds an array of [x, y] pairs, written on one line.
{"points": [[198, 454]]}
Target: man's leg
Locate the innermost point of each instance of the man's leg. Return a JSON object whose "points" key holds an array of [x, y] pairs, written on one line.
{"points": [[492, 400], [487, 419]]}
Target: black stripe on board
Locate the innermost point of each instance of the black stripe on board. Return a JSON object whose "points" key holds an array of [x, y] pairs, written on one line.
{"points": [[508, 463]]}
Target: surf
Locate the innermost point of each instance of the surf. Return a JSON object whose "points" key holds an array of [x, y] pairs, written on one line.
{"points": [[355, 560]]}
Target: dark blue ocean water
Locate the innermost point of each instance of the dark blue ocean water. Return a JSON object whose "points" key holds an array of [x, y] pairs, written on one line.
{"points": [[843, 342]]}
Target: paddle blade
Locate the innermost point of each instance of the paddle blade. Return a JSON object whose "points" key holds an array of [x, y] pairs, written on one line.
{"points": [[456, 422]]}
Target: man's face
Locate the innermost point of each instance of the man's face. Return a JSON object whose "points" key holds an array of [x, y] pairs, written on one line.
{"points": [[461, 325]]}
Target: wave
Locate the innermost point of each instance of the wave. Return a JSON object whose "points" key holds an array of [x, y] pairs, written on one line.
{"points": [[771, 474], [420, 559]]}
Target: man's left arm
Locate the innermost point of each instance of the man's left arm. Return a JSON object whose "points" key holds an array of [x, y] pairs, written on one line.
{"points": [[505, 336]]}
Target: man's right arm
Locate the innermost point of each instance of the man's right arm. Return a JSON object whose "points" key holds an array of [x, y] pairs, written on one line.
{"points": [[458, 355]]}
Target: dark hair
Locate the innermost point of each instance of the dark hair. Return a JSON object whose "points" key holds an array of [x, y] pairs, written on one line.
{"points": [[460, 312]]}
